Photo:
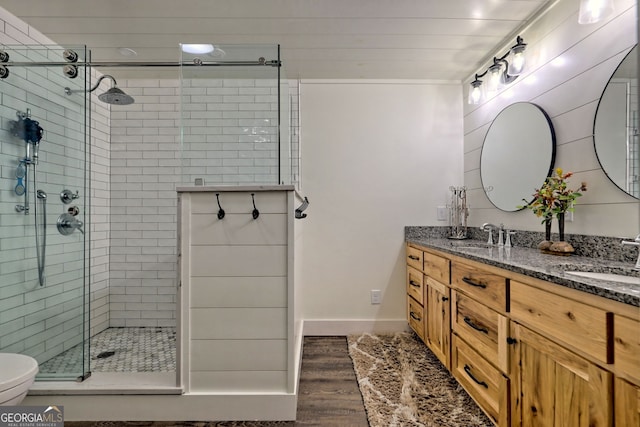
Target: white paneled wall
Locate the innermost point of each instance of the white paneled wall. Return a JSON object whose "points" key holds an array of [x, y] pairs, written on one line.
{"points": [[235, 283], [568, 67]]}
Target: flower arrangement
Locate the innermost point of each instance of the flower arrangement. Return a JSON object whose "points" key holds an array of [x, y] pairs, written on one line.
{"points": [[555, 197]]}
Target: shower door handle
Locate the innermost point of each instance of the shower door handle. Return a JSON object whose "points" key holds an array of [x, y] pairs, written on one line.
{"points": [[67, 224]]}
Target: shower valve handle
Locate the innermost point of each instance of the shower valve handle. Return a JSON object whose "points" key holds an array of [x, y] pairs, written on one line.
{"points": [[67, 196], [67, 224]]}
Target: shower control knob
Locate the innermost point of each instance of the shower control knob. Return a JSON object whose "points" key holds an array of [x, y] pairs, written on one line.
{"points": [[66, 196], [73, 210], [67, 224]]}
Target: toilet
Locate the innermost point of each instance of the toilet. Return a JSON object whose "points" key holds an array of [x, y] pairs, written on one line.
{"points": [[17, 373]]}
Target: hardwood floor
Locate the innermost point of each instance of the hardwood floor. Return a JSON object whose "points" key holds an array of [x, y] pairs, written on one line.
{"points": [[328, 394]]}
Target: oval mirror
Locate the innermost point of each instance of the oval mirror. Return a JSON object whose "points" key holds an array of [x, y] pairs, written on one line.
{"points": [[615, 129], [517, 155]]}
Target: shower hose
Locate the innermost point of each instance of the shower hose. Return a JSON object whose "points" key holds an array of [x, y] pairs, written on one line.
{"points": [[40, 249]]}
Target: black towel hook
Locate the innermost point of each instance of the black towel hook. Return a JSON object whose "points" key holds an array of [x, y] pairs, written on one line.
{"points": [[255, 212], [220, 211]]}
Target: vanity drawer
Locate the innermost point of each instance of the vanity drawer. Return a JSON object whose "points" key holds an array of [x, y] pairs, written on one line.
{"points": [[626, 344], [481, 328], [415, 316], [487, 288], [488, 387], [415, 284], [585, 328], [414, 258], [436, 267]]}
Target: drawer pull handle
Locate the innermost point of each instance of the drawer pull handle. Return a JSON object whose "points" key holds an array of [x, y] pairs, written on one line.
{"points": [[414, 317], [412, 283], [472, 283], [445, 299], [415, 258], [467, 369], [470, 322]]}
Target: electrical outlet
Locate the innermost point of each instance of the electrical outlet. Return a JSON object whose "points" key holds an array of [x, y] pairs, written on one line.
{"points": [[441, 212], [376, 296]]}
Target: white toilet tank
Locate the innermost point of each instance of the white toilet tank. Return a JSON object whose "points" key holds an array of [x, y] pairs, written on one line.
{"points": [[17, 373]]}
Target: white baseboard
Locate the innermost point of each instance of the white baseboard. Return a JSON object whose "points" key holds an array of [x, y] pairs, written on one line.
{"points": [[328, 327], [266, 407]]}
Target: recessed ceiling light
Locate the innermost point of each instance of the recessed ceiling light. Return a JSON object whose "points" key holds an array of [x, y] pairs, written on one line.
{"points": [[125, 51], [197, 48]]}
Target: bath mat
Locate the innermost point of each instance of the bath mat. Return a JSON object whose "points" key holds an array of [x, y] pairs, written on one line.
{"points": [[404, 384]]}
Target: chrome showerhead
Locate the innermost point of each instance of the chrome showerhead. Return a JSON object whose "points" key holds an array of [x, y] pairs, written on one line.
{"points": [[115, 96]]}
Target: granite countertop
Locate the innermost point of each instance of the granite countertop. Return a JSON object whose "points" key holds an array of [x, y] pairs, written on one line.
{"points": [[532, 262]]}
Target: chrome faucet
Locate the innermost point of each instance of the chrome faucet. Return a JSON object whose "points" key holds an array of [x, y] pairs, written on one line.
{"points": [[490, 227], [636, 242]]}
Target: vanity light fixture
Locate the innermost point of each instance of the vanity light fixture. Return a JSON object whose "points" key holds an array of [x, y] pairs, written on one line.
{"points": [[592, 11], [500, 73]]}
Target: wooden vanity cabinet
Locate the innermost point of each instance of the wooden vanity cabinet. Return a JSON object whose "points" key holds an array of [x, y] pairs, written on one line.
{"points": [[437, 306], [552, 386], [415, 292], [428, 300], [531, 352], [626, 344], [438, 320], [627, 404], [479, 350]]}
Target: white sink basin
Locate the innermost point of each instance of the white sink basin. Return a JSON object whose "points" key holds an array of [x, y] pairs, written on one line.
{"points": [[612, 277]]}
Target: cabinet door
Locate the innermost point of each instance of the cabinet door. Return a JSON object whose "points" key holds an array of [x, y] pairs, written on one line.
{"points": [[627, 404], [554, 387], [438, 329]]}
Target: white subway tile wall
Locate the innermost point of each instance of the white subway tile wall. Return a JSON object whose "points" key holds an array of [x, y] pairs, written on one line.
{"points": [[34, 320]]}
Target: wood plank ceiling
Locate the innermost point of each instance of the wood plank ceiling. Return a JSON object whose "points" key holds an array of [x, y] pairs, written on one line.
{"points": [[320, 39]]}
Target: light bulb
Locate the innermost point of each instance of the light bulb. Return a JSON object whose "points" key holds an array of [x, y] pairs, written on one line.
{"points": [[495, 78], [517, 63], [475, 93], [592, 11]]}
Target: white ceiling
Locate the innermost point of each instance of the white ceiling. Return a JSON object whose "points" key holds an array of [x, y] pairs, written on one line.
{"points": [[320, 39]]}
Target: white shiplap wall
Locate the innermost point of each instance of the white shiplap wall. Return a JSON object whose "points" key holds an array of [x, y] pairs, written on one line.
{"points": [[235, 281], [568, 67]]}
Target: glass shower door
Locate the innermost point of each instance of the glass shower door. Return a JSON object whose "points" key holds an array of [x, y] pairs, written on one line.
{"points": [[44, 150]]}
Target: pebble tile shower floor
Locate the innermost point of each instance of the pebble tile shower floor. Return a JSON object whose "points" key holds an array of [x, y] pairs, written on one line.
{"points": [[135, 350]]}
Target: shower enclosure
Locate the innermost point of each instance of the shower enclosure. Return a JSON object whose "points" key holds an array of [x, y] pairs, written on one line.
{"points": [[88, 244], [44, 159]]}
